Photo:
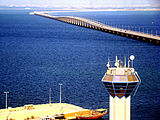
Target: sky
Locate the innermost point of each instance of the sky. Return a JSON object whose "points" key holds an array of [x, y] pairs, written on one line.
{"points": [[81, 3]]}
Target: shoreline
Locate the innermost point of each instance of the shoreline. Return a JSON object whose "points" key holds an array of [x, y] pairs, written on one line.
{"points": [[92, 10], [81, 10]]}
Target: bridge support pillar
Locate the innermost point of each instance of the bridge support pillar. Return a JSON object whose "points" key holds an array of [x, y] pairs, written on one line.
{"points": [[82, 23]]}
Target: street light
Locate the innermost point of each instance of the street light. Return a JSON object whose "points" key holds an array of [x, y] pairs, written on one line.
{"points": [[156, 32], [50, 100], [6, 98], [60, 92]]}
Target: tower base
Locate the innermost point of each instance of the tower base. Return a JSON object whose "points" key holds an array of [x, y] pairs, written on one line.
{"points": [[119, 108]]}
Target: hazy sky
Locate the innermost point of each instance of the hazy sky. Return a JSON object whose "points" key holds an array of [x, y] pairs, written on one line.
{"points": [[83, 3]]}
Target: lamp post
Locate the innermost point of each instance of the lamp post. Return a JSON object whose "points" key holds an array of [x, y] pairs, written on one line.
{"points": [[50, 100], [156, 32], [60, 92], [6, 98]]}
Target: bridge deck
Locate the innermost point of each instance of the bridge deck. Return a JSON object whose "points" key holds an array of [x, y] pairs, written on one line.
{"points": [[102, 27]]}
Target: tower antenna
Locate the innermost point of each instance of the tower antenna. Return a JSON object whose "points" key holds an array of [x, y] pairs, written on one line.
{"points": [[125, 61], [132, 58], [128, 62], [108, 65], [117, 62]]}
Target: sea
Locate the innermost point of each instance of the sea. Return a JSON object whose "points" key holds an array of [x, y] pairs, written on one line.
{"points": [[38, 53]]}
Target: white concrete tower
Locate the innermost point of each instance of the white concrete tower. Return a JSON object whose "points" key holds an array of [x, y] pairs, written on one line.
{"points": [[120, 82]]}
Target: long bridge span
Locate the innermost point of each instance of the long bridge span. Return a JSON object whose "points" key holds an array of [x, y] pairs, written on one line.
{"points": [[83, 22]]}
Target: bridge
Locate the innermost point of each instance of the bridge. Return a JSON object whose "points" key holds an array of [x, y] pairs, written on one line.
{"points": [[87, 23]]}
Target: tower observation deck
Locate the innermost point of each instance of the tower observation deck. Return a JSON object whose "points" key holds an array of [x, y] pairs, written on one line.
{"points": [[120, 81]]}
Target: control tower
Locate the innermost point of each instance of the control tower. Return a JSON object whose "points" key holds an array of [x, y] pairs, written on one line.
{"points": [[120, 81]]}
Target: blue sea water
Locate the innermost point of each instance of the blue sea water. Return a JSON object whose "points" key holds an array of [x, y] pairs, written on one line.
{"points": [[37, 53]]}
